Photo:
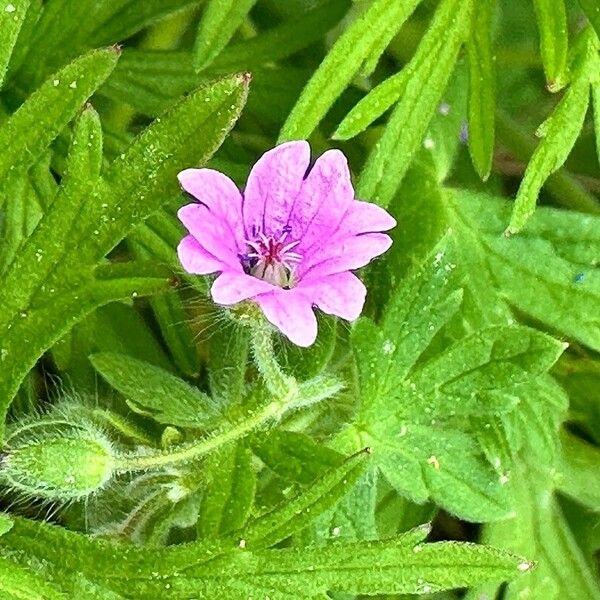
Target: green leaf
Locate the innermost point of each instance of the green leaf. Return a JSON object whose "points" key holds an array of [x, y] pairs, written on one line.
{"points": [[45, 324], [482, 86], [228, 498], [220, 20], [596, 105], [559, 133], [411, 408], [372, 106], [21, 583], [554, 41], [294, 456], [141, 179], [227, 369], [392, 566], [549, 272], [29, 131], [155, 392], [580, 464], [6, 523], [591, 8], [342, 63], [431, 68], [297, 513], [12, 15], [541, 531]]}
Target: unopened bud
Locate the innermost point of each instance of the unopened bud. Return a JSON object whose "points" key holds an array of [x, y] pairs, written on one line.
{"points": [[57, 461]]}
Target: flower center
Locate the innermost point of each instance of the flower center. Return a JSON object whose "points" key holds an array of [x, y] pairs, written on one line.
{"points": [[272, 259]]}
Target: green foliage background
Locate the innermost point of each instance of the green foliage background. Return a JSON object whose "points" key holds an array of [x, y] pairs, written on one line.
{"points": [[154, 446]]}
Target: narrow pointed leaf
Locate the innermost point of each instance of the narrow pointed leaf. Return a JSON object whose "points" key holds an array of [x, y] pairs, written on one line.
{"points": [[12, 15], [554, 40], [220, 20], [482, 86], [431, 68], [27, 133], [342, 63]]}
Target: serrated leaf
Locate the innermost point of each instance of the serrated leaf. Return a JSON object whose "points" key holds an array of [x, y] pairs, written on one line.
{"points": [[482, 84], [29, 131], [558, 251], [554, 41], [12, 15], [228, 498], [220, 20], [342, 63], [155, 392], [430, 70], [560, 131]]}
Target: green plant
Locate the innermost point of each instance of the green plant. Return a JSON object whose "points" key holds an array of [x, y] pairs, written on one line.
{"points": [[184, 449]]}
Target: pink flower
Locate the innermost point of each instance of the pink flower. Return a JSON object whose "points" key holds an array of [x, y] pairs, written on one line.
{"points": [[288, 242]]}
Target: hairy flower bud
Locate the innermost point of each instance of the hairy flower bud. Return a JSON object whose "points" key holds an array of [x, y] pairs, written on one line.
{"points": [[57, 461]]}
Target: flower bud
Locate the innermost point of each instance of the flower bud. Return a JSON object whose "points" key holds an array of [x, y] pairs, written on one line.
{"points": [[57, 461]]}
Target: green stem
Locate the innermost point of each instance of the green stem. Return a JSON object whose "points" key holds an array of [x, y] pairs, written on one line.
{"points": [[278, 383], [182, 454], [562, 185], [282, 387]]}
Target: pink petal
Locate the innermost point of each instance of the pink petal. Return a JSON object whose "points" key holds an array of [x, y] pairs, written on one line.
{"points": [[291, 312], [213, 234], [361, 217], [350, 253], [219, 194], [342, 294], [273, 184], [231, 288], [364, 217], [195, 259], [323, 201]]}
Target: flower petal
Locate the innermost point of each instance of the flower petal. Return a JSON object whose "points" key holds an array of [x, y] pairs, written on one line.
{"points": [[273, 184], [219, 194], [365, 217], [213, 234], [231, 287], [351, 253], [323, 200], [291, 312], [341, 294], [361, 217], [195, 259]]}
